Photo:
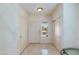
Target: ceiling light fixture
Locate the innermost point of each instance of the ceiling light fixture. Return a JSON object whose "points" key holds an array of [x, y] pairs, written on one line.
{"points": [[39, 9]]}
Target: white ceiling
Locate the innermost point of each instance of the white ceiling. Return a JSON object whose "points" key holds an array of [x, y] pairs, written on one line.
{"points": [[32, 7]]}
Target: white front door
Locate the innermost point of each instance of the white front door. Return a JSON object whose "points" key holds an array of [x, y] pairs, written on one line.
{"points": [[44, 32]]}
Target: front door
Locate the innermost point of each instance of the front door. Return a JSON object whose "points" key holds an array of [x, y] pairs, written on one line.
{"points": [[44, 32]]}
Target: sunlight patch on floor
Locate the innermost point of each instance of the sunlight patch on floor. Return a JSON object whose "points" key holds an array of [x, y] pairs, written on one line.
{"points": [[44, 51]]}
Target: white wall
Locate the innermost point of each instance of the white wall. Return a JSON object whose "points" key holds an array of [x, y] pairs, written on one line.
{"points": [[57, 18], [13, 29], [71, 23], [22, 29], [35, 28], [8, 29], [77, 31]]}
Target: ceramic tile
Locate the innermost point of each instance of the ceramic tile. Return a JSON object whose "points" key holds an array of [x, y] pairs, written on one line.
{"points": [[40, 49]]}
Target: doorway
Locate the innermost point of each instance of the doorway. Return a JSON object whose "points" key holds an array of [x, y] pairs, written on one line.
{"points": [[44, 32]]}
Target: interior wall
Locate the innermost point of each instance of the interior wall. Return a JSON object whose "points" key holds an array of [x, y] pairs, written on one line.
{"points": [[22, 29], [71, 22], [77, 31], [35, 28], [57, 18], [8, 29]]}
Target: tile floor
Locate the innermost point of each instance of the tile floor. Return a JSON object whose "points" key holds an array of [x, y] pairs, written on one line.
{"points": [[40, 49]]}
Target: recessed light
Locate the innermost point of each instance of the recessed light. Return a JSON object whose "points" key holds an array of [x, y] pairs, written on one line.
{"points": [[39, 9]]}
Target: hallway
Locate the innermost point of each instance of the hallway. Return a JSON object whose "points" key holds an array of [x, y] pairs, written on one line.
{"points": [[24, 26], [27, 25], [40, 49], [38, 29]]}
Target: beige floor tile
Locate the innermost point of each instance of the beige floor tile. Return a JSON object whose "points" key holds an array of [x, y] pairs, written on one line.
{"points": [[40, 49]]}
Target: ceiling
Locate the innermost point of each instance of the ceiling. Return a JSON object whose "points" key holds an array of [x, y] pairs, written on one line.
{"points": [[32, 7]]}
